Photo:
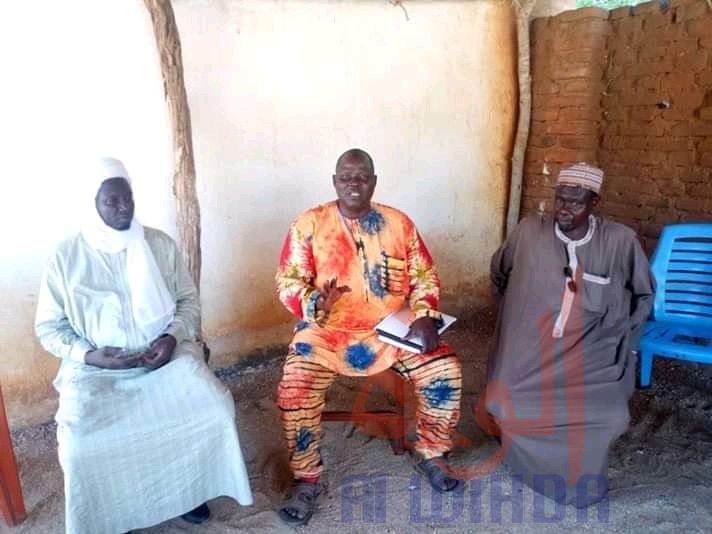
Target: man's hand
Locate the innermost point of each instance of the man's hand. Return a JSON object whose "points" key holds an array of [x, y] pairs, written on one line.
{"points": [[330, 293], [424, 328], [108, 358], [159, 352]]}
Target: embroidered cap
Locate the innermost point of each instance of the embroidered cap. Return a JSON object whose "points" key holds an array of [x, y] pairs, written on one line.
{"points": [[582, 175]]}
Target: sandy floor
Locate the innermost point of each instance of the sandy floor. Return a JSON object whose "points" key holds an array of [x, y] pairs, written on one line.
{"points": [[660, 471]]}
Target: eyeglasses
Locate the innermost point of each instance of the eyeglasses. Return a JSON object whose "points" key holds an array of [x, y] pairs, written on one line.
{"points": [[572, 204], [568, 273]]}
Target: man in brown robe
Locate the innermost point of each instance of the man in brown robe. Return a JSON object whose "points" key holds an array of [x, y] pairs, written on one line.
{"points": [[573, 292]]}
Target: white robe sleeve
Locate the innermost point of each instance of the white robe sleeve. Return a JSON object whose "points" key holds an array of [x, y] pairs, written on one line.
{"points": [[52, 326], [184, 325]]}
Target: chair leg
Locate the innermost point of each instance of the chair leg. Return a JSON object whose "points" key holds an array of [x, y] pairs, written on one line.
{"points": [[6, 506], [398, 442], [646, 368], [12, 504]]}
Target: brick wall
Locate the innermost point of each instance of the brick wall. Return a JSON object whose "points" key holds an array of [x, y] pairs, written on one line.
{"points": [[629, 90]]}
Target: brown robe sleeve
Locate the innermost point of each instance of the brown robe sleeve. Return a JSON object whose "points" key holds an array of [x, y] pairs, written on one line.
{"points": [[641, 284], [502, 262]]}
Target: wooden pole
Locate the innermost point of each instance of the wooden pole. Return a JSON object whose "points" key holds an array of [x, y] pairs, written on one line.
{"points": [[188, 208], [523, 12], [12, 505]]}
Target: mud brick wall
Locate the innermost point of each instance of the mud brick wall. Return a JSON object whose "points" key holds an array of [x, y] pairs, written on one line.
{"points": [[568, 66], [639, 105]]}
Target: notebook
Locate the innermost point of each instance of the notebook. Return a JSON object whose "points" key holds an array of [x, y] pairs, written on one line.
{"points": [[393, 329]]}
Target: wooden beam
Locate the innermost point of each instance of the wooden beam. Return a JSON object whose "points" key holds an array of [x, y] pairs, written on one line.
{"points": [[523, 12], [187, 205]]}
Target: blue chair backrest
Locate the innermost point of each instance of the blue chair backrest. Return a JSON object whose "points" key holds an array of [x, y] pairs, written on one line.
{"points": [[682, 266]]}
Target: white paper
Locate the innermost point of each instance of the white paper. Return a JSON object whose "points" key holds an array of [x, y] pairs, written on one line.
{"points": [[398, 323]]}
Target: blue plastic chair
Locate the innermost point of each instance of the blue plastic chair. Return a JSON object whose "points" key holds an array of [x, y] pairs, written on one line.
{"points": [[681, 325]]}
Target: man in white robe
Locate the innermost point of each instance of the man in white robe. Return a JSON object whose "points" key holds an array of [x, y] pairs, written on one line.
{"points": [[146, 432]]}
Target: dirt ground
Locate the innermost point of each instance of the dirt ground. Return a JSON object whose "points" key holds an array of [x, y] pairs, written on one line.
{"points": [[660, 472]]}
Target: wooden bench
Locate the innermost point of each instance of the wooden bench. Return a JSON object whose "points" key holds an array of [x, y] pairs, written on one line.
{"points": [[394, 420]]}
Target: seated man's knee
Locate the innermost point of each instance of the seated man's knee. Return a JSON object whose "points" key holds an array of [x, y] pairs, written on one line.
{"points": [[297, 387], [449, 366], [454, 363]]}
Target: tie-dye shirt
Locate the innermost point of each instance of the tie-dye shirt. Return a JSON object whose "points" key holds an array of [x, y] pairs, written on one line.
{"points": [[384, 261]]}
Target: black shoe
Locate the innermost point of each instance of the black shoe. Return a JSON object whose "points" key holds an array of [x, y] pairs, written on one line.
{"points": [[198, 515]]}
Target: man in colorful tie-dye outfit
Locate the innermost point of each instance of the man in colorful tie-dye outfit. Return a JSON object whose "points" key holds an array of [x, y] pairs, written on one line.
{"points": [[346, 265]]}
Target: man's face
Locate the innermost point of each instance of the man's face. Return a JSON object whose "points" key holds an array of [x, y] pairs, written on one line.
{"points": [[354, 182], [572, 206], [115, 204]]}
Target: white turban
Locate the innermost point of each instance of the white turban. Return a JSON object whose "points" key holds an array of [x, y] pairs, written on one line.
{"points": [[109, 168], [152, 304]]}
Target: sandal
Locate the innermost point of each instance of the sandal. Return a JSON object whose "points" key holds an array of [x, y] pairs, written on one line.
{"points": [[301, 499], [198, 516], [440, 482]]}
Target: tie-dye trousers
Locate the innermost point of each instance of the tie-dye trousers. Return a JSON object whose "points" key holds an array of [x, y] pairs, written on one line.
{"points": [[435, 376]]}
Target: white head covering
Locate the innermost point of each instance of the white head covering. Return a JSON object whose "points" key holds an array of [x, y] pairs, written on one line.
{"points": [[152, 304]]}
